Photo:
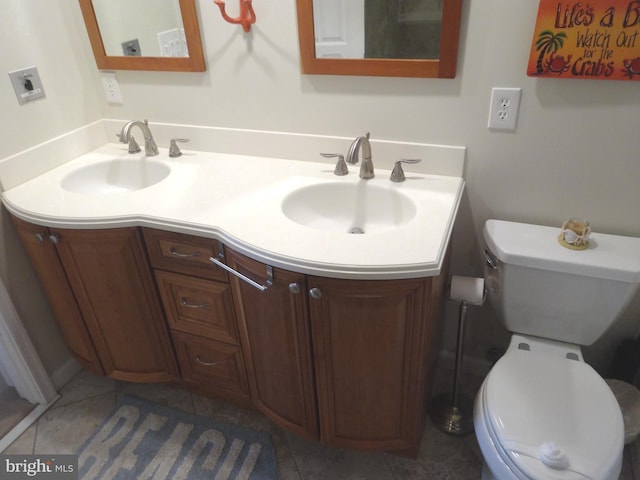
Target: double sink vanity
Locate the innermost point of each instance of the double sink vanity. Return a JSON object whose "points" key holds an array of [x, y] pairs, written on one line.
{"points": [[272, 283]]}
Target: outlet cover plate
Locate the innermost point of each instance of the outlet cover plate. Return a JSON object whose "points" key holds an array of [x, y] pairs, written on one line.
{"points": [[27, 84], [111, 87], [503, 110]]}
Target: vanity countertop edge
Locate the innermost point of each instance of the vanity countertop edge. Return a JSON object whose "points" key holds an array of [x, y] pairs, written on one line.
{"points": [[236, 199]]}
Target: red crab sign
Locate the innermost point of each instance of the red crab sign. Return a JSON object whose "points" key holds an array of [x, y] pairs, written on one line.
{"points": [[599, 39]]}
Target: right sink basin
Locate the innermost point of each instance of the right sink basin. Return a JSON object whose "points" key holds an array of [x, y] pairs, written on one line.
{"points": [[349, 208]]}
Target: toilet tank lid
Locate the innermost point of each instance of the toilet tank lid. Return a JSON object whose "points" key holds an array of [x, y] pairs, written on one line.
{"points": [[610, 257]]}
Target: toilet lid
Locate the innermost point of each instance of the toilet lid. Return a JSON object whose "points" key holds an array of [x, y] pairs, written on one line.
{"points": [[553, 417]]}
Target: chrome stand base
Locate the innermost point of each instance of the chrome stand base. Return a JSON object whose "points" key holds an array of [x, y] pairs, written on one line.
{"points": [[455, 420]]}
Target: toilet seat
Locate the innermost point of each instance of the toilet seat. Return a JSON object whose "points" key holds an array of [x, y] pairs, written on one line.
{"points": [[549, 417]]}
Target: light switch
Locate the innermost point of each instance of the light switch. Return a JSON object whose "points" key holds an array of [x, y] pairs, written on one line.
{"points": [[27, 85]]}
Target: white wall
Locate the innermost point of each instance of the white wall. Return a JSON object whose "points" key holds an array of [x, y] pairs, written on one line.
{"points": [[574, 153], [51, 36]]}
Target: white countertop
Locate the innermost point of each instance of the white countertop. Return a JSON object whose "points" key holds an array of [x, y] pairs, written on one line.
{"points": [[237, 199]]}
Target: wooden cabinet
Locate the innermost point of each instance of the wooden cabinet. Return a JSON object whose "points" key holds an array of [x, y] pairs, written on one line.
{"points": [[104, 275], [197, 299], [212, 366], [348, 362], [374, 357], [368, 347], [46, 263], [275, 334]]}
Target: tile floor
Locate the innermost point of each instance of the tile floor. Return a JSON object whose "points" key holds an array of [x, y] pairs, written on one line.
{"points": [[13, 409], [86, 399]]}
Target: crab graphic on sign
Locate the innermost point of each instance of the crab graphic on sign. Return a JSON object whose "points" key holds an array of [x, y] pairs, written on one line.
{"points": [[586, 40]]}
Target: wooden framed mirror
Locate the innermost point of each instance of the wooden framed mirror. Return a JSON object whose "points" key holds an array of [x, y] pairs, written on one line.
{"points": [[373, 60], [190, 58]]}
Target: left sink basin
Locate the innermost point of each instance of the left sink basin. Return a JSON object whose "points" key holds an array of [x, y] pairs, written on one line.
{"points": [[115, 176]]}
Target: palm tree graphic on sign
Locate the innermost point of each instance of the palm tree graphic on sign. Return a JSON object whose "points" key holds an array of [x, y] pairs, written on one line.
{"points": [[548, 41]]}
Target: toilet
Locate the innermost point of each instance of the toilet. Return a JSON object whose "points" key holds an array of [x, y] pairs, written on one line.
{"points": [[542, 412]]}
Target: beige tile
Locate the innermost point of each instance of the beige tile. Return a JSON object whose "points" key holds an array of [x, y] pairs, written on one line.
{"points": [[318, 462], [24, 443], [63, 430], [441, 456], [84, 385], [13, 409]]}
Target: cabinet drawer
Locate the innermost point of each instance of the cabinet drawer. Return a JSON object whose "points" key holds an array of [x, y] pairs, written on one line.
{"points": [[198, 306], [183, 253], [211, 365]]}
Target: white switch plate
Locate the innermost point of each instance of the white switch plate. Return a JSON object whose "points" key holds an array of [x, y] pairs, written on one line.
{"points": [[173, 43], [503, 111], [27, 85], [111, 87]]}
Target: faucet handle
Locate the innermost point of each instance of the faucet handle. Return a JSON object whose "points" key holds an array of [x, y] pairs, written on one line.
{"points": [[133, 145], [341, 167], [397, 175], [174, 150]]}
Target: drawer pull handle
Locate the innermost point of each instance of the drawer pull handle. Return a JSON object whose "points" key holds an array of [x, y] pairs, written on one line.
{"points": [[251, 282], [186, 303], [175, 252], [206, 364]]}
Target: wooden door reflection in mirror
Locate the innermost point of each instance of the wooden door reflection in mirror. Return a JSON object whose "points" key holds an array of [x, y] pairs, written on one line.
{"points": [[393, 38], [110, 44]]}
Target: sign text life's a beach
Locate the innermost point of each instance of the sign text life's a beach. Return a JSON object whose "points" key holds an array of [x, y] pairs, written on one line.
{"points": [[591, 40]]}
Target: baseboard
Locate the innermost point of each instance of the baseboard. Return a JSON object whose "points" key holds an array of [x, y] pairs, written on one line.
{"points": [[62, 375]]}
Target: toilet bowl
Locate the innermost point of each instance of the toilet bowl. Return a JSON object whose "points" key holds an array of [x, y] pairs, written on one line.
{"points": [[541, 415]]}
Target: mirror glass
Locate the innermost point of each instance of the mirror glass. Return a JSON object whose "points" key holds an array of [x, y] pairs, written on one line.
{"points": [[148, 28], [144, 34], [377, 28], [415, 38]]}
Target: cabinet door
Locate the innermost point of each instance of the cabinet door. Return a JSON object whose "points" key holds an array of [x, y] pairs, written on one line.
{"points": [[274, 331], [112, 282], [369, 349], [55, 285]]}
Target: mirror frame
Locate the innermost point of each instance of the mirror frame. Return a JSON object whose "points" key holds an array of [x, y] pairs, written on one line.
{"points": [[193, 63], [443, 67]]}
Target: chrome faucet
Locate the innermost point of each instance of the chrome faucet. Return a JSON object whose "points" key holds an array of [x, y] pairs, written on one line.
{"points": [[366, 167], [150, 147]]}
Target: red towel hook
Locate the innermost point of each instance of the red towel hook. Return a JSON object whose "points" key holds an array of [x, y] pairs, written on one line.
{"points": [[247, 15]]}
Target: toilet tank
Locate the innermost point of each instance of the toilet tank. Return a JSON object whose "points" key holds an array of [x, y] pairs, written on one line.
{"points": [[541, 288]]}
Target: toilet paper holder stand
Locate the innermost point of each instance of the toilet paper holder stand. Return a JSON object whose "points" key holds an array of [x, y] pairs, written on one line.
{"points": [[452, 412]]}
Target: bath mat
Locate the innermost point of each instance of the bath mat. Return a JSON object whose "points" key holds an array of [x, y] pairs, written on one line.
{"points": [[142, 440]]}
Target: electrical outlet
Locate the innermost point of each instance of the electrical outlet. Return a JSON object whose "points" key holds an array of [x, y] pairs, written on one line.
{"points": [[111, 87], [503, 111]]}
